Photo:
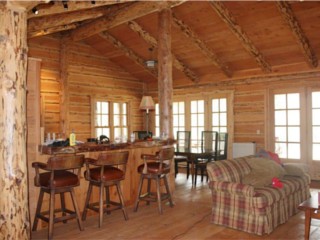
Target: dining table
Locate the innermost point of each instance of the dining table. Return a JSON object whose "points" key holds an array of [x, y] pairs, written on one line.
{"points": [[193, 154]]}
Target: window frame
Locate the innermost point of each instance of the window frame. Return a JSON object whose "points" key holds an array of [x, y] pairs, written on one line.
{"points": [[111, 102]]}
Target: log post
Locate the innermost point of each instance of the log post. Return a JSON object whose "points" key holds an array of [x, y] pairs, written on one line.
{"points": [[14, 212], [165, 72]]}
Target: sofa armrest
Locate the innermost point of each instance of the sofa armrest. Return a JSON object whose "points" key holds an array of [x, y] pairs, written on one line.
{"points": [[233, 188]]}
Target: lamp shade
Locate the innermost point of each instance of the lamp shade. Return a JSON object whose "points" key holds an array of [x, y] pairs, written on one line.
{"points": [[147, 103]]}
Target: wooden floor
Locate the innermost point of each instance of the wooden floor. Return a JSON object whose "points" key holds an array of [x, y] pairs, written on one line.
{"points": [[188, 219]]}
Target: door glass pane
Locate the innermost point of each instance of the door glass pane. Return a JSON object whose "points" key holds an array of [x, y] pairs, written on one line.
{"points": [[105, 107], [281, 134], [281, 149], [316, 116], [116, 108], [316, 134], [116, 120], [293, 117], [181, 120], [175, 107], [215, 119], [200, 119], [293, 101], [215, 105], [316, 100], [223, 119], [294, 134], [175, 120], [194, 107], [223, 105], [316, 152], [280, 101], [104, 120], [201, 106], [294, 150], [280, 118], [181, 107]]}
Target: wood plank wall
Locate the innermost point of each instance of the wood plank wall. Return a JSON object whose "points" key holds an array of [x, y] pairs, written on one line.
{"points": [[89, 74]]}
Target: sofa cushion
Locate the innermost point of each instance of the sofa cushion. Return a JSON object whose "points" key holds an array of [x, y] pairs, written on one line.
{"points": [[262, 172]]}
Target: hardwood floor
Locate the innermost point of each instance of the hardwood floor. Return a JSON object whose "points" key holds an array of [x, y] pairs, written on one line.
{"points": [[188, 219]]}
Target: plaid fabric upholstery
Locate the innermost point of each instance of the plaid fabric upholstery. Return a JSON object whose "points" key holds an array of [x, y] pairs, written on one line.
{"points": [[250, 209]]}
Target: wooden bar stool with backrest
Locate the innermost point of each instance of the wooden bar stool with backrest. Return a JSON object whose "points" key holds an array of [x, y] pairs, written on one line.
{"points": [[108, 170], [60, 174], [155, 167], [183, 141]]}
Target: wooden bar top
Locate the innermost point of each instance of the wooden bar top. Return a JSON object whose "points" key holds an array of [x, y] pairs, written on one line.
{"points": [[94, 147]]}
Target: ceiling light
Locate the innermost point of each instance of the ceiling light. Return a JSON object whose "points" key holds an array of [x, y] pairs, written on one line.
{"points": [[35, 11], [151, 62]]}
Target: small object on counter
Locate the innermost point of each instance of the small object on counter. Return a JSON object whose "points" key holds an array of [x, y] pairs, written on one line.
{"points": [[72, 138]]}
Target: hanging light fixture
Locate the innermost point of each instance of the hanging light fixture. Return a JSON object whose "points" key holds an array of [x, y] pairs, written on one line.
{"points": [[35, 10], [151, 62]]}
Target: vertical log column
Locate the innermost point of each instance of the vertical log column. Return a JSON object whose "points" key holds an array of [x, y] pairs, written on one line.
{"points": [[165, 72], [14, 212]]}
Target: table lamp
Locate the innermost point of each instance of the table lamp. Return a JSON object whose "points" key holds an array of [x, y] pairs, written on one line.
{"points": [[147, 104]]}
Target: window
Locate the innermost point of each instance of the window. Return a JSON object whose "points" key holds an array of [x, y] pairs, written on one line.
{"points": [[219, 114], [197, 122], [157, 120], [315, 98], [287, 125], [178, 111], [111, 119]]}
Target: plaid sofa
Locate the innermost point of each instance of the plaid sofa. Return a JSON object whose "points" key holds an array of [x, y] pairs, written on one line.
{"points": [[249, 208]]}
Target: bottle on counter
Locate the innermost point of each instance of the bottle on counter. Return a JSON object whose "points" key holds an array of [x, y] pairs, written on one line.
{"points": [[72, 138], [132, 137]]}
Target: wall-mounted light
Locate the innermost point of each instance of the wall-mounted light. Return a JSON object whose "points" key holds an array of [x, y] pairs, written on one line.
{"points": [[35, 11], [93, 2]]}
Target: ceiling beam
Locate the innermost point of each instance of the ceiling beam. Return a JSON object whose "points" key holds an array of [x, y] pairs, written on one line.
{"points": [[201, 45], [130, 12], [56, 7], [154, 43], [128, 52], [24, 4], [224, 14], [65, 18], [38, 33], [288, 16]]}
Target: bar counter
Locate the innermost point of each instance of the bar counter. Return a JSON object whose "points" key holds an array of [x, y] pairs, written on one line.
{"points": [[129, 185]]}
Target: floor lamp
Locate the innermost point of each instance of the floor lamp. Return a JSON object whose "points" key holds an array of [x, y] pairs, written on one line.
{"points": [[147, 104]]}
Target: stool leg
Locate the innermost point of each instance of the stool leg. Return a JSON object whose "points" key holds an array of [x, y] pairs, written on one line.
{"points": [[122, 201], [86, 204], [158, 195], [168, 190], [101, 204], [107, 199], [76, 209], [149, 189], [175, 168], [138, 196], [63, 206], [51, 214], [39, 205], [188, 170]]}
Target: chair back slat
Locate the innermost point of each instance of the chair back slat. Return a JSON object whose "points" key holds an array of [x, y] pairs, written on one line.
{"points": [[222, 146], [209, 141], [112, 158], [65, 162], [166, 154], [183, 139]]}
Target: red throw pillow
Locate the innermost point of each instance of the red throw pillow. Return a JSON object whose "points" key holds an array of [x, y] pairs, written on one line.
{"points": [[275, 157]]}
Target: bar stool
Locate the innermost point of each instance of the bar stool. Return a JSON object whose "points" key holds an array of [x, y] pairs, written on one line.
{"points": [[62, 174], [157, 169], [109, 170]]}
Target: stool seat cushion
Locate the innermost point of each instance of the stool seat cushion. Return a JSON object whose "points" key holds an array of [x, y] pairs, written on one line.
{"points": [[109, 174], [153, 167], [62, 178]]}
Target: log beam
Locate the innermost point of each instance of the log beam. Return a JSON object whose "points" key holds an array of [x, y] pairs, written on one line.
{"points": [[57, 7], [201, 45], [14, 209], [153, 42], [38, 33], [130, 12], [224, 14], [128, 52], [288, 16], [66, 18], [165, 89]]}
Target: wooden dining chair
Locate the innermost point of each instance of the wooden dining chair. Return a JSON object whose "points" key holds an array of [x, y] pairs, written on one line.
{"points": [[209, 143], [59, 175], [155, 167], [183, 141], [222, 152], [106, 171]]}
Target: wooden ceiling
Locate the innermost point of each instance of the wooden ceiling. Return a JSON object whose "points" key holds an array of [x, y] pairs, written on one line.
{"points": [[211, 41]]}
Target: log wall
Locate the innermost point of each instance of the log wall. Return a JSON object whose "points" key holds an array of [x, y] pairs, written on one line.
{"points": [[86, 73]]}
